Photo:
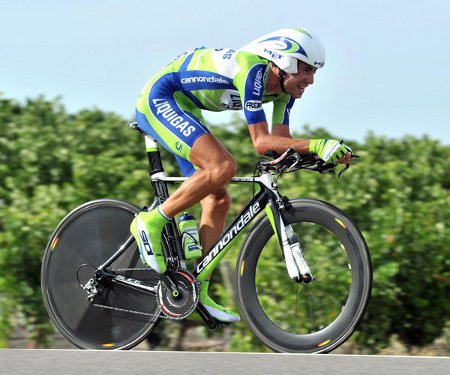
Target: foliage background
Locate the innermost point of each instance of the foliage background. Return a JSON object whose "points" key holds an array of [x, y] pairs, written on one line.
{"points": [[398, 194]]}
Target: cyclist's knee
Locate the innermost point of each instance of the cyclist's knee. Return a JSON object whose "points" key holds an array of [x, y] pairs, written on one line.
{"points": [[220, 173], [225, 171], [228, 169], [213, 158]]}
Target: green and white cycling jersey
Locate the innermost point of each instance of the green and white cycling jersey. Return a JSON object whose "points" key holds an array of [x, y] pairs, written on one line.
{"points": [[169, 107]]}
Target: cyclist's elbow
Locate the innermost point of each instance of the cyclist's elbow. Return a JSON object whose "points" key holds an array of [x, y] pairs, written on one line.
{"points": [[267, 144], [260, 145], [260, 149], [259, 134]]}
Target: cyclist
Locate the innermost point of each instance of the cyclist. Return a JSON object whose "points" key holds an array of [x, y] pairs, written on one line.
{"points": [[276, 68]]}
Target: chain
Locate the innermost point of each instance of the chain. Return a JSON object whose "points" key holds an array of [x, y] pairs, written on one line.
{"points": [[130, 311], [120, 308], [164, 316], [130, 269]]}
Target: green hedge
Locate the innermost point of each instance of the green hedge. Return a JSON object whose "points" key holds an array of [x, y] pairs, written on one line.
{"points": [[398, 194]]}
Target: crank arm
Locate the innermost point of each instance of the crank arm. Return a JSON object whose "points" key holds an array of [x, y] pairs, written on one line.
{"points": [[207, 318]]}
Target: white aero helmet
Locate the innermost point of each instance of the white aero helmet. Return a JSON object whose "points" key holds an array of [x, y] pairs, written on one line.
{"points": [[284, 47]]}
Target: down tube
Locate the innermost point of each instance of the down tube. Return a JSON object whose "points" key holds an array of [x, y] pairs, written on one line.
{"points": [[213, 257]]}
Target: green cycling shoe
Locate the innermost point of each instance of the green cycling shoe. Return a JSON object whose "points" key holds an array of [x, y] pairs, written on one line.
{"points": [[147, 229], [216, 311]]}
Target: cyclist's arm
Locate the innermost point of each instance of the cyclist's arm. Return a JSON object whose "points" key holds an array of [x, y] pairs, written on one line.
{"points": [[281, 130], [280, 138], [249, 84], [278, 141]]}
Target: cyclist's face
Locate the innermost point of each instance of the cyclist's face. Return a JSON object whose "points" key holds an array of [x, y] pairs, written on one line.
{"points": [[295, 84]]}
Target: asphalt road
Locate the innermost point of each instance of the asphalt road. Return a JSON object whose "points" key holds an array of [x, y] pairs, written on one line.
{"points": [[68, 362]]}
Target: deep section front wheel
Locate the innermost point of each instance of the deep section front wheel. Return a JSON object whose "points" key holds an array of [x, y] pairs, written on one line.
{"points": [[118, 317], [317, 317]]}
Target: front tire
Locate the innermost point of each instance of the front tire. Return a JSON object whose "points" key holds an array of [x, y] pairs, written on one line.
{"points": [[305, 318]]}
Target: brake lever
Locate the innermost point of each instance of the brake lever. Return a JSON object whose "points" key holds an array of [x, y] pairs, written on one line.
{"points": [[347, 166]]}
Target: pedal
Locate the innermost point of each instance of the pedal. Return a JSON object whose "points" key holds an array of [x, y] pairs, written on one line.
{"points": [[221, 325], [207, 318]]}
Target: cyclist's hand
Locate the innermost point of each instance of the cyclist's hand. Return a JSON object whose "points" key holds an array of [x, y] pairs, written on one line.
{"points": [[349, 157], [330, 150]]}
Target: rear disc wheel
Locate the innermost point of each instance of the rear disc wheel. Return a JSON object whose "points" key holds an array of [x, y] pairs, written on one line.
{"points": [[84, 240]]}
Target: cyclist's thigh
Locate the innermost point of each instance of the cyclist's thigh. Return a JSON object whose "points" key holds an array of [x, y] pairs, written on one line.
{"points": [[208, 152], [174, 124]]}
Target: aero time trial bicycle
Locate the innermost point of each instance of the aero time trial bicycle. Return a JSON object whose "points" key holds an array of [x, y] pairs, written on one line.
{"points": [[303, 276]]}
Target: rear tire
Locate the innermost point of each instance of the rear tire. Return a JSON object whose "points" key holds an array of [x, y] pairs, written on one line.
{"points": [[305, 318], [84, 240]]}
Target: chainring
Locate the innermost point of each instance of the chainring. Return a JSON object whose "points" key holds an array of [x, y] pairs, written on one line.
{"points": [[184, 304]]}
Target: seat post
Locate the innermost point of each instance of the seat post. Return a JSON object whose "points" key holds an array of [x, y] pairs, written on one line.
{"points": [[152, 148], [156, 168], [153, 155]]}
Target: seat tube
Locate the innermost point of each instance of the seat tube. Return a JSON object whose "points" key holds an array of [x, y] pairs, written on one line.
{"points": [[162, 193], [155, 168], [154, 157]]}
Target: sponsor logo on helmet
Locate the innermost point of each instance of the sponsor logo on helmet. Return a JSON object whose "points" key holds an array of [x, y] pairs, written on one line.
{"points": [[272, 54], [320, 64], [253, 105], [284, 44]]}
